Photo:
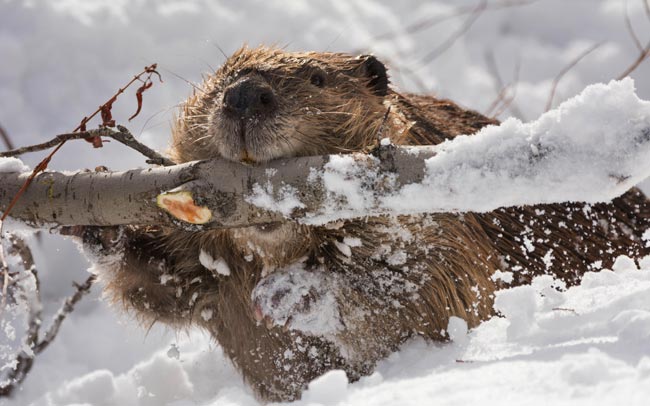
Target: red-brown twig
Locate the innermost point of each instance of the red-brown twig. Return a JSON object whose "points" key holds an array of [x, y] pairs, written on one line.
{"points": [[107, 121], [565, 70]]}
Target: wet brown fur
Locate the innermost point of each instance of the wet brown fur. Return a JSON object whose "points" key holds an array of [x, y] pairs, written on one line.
{"points": [[449, 258]]}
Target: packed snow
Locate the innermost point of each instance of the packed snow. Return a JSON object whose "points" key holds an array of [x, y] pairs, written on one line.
{"points": [[12, 165], [584, 345], [300, 299], [218, 265], [579, 152]]}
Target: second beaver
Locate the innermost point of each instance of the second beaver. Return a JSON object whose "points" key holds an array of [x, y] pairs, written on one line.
{"points": [[288, 302]]}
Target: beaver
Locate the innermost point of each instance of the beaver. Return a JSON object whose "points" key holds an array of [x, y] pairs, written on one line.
{"points": [[287, 301]]}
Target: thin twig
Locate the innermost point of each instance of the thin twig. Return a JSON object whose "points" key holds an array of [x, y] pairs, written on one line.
{"points": [[643, 55], [107, 121], [5, 273], [66, 308], [564, 309], [123, 135], [104, 108], [574, 62], [451, 40], [644, 52], [630, 29], [508, 101], [503, 97], [435, 20], [24, 360], [6, 139]]}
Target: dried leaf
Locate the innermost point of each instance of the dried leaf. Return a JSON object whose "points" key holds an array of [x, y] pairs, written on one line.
{"points": [[138, 94], [107, 115]]}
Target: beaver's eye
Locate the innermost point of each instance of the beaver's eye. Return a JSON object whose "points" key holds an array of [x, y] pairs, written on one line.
{"points": [[317, 79]]}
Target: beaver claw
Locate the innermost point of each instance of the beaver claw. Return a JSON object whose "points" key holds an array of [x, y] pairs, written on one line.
{"points": [[297, 299]]}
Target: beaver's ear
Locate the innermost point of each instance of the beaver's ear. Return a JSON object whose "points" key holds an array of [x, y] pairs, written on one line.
{"points": [[373, 69]]}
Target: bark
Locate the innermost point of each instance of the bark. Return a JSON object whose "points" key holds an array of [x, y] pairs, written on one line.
{"points": [[223, 187], [222, 194]]}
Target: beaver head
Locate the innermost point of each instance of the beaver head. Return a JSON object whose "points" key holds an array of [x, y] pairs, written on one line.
{"points": [[265, 103]]}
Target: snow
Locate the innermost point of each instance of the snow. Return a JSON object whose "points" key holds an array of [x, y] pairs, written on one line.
{"points": [[264, 197], [583, 346], [12, 165], [218, 265], [301, 299], [592, 148], [587, 345]]}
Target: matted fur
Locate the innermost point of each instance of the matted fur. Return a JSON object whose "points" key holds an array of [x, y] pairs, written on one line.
{"points": [[402, 276]]}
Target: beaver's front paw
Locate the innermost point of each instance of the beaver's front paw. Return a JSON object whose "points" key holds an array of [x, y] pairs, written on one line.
{"points": [[298, 299]]}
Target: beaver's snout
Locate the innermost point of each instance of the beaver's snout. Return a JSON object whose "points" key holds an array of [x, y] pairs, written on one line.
{"points": [[249, 97]]}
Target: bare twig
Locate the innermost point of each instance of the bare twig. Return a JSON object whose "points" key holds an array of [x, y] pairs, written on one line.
{"points": [[24, 360], [105, 110], [643, 55], [451, 40], [574, 62], [564, 309], [68, 306], [435, 20], [630, 29], [644, 52], [507, 92], [508, 101], [6, 139], [5, 273], [123, 135]]}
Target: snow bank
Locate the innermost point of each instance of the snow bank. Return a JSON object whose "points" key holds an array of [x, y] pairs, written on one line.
{"points": [[586, 345], [12, 165]]}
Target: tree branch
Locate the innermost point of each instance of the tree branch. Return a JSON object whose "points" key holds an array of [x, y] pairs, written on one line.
{"points": [[591, 149], [122, 135]]}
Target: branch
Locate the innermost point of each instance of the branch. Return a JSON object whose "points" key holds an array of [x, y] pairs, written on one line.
{"points": [[68, 306], [451, 40], [6, 139], [430, 22], [644, 52], [592, 149], [122, 135], [565, 70], [25, 359]]}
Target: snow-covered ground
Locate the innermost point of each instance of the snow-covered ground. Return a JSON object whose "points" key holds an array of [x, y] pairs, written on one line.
{"points": [[59, 60]]}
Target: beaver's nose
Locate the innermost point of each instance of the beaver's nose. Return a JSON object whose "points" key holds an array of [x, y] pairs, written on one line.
{"points": [[249, 97]]}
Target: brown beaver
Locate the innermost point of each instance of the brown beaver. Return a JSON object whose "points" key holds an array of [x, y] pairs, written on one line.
{"points": [[288, 302]]}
